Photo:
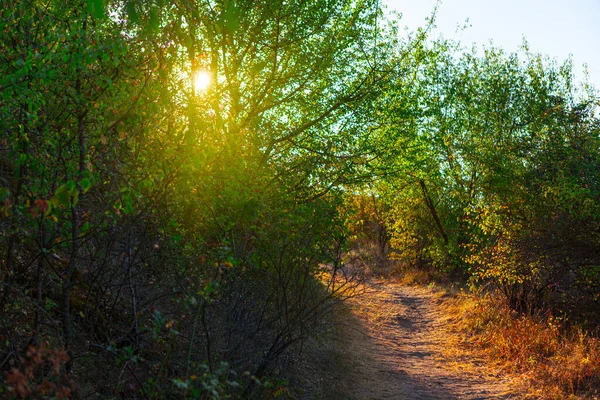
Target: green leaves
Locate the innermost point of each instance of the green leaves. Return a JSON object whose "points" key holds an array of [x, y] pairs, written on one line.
{"points": [[61, 197], [127, 197], [85, 185], [4, 194], [96, 8], [68, 194], [132, 12], [231, 16], [487, 131]]}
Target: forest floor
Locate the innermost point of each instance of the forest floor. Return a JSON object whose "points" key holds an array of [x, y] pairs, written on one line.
{"points": [[402, 342]]}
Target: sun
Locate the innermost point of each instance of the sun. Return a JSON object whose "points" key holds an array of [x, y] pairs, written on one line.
{"points": [[201, 81]]}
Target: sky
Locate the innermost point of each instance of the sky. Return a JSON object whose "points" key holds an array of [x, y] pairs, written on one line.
{"points": [[557, 28]]}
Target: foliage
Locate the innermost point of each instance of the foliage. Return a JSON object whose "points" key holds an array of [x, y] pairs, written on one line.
{"points": [[490, 166], [165, 230], [40, 375], [156, 230], [369, 237]]}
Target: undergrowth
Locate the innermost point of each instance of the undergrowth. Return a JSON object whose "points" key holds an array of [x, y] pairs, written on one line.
{"points": [[560, 362]]}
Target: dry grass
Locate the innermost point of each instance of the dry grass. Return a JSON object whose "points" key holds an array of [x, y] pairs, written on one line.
{"points": [[482, 334], [391, 343], [416, 276], [558, 363]]}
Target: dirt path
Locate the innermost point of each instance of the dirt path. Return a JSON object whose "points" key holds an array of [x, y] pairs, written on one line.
{"points": [[397, 342]]}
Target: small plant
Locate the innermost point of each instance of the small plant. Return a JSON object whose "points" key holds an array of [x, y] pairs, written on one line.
{"points": [[41, 374], [218, 384]]}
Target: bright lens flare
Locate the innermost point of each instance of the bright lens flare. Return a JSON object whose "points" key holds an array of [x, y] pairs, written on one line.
{"points": [[201, 81]]}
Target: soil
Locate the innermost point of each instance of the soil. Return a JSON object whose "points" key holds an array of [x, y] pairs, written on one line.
{"points": [[399, 342]]}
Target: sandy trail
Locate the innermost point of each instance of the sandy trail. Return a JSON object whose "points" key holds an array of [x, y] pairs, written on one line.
{"points": [[398, 343]]}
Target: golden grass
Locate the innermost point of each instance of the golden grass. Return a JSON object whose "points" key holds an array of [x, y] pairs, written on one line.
{"points": [[414, 276], [558, 363]]}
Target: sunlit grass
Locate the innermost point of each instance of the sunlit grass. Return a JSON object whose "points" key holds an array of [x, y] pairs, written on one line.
{"points": [[559, 362]]}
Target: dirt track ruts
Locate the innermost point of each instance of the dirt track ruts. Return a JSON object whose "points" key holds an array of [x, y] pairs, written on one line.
{"points": [[397, 343]]}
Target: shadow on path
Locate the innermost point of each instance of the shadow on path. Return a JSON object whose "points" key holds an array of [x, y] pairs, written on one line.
{"points": [[389, 344]]}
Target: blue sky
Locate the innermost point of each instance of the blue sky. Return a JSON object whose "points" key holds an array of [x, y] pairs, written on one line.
{"points": [[552, 27]]}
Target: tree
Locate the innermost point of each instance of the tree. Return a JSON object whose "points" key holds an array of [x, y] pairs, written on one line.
{"points": [[488, 145], [148, 220]]}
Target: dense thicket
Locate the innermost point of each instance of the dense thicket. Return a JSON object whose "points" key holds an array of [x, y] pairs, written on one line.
{"points": [[161, 238], [493, 163]]}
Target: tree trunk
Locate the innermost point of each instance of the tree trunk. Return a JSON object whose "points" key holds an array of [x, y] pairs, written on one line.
{"points": [[433, 212]]}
